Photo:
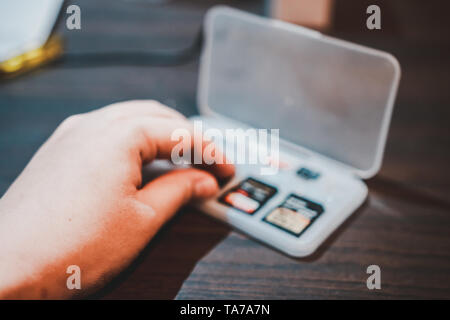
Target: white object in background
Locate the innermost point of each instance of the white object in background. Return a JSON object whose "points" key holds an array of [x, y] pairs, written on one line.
{"points": [[25, 25]]}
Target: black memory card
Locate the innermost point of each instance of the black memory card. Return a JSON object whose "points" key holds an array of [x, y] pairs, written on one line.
{"points": [[248, 196]]}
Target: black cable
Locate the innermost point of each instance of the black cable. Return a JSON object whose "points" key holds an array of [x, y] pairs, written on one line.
{"points": [[133, 58]]}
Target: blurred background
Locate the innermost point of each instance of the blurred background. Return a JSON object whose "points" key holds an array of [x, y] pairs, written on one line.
{"points": [[410, 203], [416, 32]]}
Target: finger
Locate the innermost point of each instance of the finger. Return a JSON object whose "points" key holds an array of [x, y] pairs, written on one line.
{"points": [[138, 108], [169, 138], [167, 193]]}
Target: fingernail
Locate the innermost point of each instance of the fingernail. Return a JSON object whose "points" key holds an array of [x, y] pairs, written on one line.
{"points": [[205, 187]]}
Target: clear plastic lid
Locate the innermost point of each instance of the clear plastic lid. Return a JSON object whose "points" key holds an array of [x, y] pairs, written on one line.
{"points": [[326, 95]]}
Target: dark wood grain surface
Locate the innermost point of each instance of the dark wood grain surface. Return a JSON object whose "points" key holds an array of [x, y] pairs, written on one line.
{"points": [[404, 226]]}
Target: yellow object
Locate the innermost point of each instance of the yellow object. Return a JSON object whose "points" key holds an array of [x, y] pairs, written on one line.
{"points": [[27, 61]]}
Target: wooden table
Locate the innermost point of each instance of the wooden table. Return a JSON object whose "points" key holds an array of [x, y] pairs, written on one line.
{"points": [[404, 226]]}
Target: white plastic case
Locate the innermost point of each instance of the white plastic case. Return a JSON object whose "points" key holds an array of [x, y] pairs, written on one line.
{"points": [[331, 100]]}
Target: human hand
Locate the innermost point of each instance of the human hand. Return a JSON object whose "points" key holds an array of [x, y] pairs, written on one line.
{"points": [[79, 201]]}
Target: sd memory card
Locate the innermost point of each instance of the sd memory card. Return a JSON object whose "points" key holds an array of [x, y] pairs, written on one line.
{"points": [[248, 196], [294, 215]]}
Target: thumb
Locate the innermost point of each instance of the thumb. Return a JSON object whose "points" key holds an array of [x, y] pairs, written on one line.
{"points": [[167, 193]]}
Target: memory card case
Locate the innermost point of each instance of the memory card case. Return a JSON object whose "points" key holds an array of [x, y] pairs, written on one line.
{"points": [[332, 102]]}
